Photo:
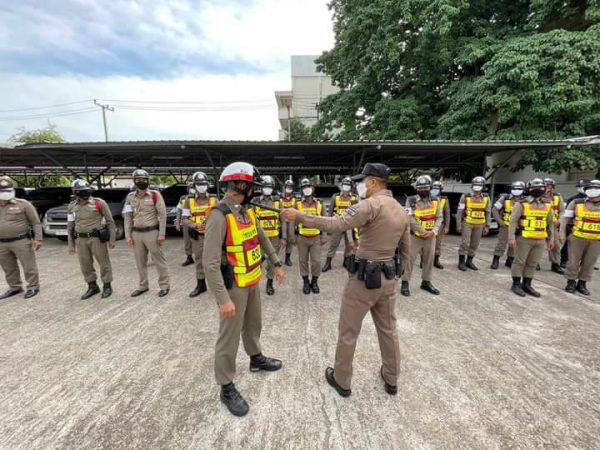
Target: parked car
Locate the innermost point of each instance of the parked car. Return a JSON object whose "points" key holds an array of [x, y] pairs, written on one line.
{"points": [[48, 197], [54, 222], [171, 195]]}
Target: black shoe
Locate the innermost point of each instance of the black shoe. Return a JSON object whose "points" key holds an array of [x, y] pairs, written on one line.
{"points": [[199, 289], [582, 288], [421, 263], [270, 288], [571, 286], [529, 289], [31, 293], [288, 260], [314, 286], [405, 289], [10, 293], [234, 401], [538, 267], [392, 390], [327, 265], [557, 269], [437, 263], [509, 261], [470, 264], [495, 262], [106, 290], [563, 264], [331, 380], [92, 290], [138, 292], [461, 263], [189, 260], [306, 287], [261, 362], [517, 287], [163, 292], [427, 286]]}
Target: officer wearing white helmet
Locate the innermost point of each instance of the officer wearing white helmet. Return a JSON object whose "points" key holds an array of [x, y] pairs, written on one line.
{"points": [[436, 193], [558, 209], [501, 212], [233, 256], [288, 229]]}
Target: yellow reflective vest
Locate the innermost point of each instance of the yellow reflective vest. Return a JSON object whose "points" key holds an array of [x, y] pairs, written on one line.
{"points": [[587, 223], [534, 221], [288, 202], [242, 248], [507, 209], [201, 208], [475, 210], [340, 205], [426, 215], [314, 210], [269, 220]]}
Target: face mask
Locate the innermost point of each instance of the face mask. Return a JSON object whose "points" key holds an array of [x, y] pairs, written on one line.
{"points": [[581, 190], [7, 195], [537, 192], [84, 195], [477, 188], [307, 192], [361, 189], [289, 191], [346, 188], [517, 192], [142, 185], [435, 192], [201, 188], [267, 191], [248, 196], [592, 193], [423, 194]]}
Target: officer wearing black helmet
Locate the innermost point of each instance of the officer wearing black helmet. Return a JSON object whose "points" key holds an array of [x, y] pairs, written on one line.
{"points": [[564, 251], [288, 229], [501, 212], [558, 209]]}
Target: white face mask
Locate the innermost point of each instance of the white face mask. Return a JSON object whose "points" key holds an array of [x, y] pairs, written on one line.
{"points": [[346, 188], [289, 190], [267, 191], [202, 188], [307, 192], [517, 192], [7, 195], [592, 193], [361, 189], [477, 188], [435, 192]]}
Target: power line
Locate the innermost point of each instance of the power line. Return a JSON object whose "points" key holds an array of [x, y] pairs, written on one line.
{"points": [[45, 107], [169, 102], [49, 115]]}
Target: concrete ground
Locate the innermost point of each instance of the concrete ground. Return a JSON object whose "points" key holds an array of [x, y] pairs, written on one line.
{"points": [[481, 367]]}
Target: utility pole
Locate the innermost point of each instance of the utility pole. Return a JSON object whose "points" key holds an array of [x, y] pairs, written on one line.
{"points": [[104, 108]]}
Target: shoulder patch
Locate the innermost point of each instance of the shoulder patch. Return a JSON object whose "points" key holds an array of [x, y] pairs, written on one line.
{"points": [[352, 210]]}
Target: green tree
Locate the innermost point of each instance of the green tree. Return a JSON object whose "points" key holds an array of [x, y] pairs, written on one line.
{"points": [[299, 132]]}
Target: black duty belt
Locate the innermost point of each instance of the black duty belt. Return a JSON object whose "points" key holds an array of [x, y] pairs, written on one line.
{"points": [[18, 238], [91, 234], [145, 229]]}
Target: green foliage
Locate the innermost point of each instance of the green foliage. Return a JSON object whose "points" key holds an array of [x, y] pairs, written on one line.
{"points": [[47, 135], [299, 132]]}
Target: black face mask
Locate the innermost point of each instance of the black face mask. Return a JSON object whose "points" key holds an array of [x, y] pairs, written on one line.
{"points": [[84, 195], [424, 194], [536, 193], [142, 185]]}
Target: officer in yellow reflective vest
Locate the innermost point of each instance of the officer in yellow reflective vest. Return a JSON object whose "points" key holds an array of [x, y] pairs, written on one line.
{"points": [[270, 223], [436, 194], [196, 210], [472, 219], [232, 258], [288, 229], [187, 241], [340, 202], [584, 242], [501, 212], [310, 240], [558, 208], [531, 229]]}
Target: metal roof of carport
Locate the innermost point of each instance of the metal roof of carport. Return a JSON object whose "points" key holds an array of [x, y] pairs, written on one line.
{"points": [[274, 156]]}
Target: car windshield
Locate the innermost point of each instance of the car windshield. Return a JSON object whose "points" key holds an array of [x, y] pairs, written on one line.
{"points": [[111, 195]]}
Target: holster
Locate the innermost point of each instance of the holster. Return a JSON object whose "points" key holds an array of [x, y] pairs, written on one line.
{"points": [[193, 234], [350, 264], [103, 234], [228, 276], [370, 273]]}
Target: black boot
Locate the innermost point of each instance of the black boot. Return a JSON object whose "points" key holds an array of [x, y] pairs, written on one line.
{"points": [[581, 287], [314, 285], [405, 289], [106, 290], [509, 261], [571, 286], [288, 260], [470, 264], [517, 288], [200, 288], [461, 263], [92, 289], [233, 400], [10, 293], [495, 262], [437, 263], [557, 269], [529, 289], [189, 260], [261, 362], [306, 287], [327, 265], [427, 286], [270, 288]]}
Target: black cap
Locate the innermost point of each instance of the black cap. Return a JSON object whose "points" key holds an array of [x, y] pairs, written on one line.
{"points": [[373, 170]]}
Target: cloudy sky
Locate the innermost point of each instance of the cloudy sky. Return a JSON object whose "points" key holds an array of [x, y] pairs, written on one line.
{"points": [[222, 58]]}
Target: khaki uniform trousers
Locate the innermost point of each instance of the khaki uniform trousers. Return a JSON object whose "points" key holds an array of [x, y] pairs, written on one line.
{"points": [[270, 266], [309, 250], [87, 250], [144, 243], [471, 236], [11, 253], [247, 322], [425, 248], [198, 249], [356, 303], [503, 243], [554, 254], [335, 243], [291, 234], [527, 256], [439, 239], [187, 242], [583, 254]]}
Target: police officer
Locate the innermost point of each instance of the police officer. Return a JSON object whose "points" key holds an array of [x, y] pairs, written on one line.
{"points": [[425, 215], [17, 218], [90, 239], [501, 212], [436, 194], [310, 239], [371, 287], [564, 251], [288, 229], [234, 235], [196, 209], [270, 223], [340, 202], [187, 240], [145, 226], [472, 221], [584, 242], [558, 208], [530, 231]]}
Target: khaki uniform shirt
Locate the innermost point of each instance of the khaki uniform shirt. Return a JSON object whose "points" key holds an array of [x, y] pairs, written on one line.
{"points": [[186, 214], [382, 222], [140, 211], [310, 203], [85, 218], [462, 205], [517, 212], [415, 201], [445, 212], [569, 215], [16, 217], [214, 254], [284, 224], [498, 209], [561, 205]]}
